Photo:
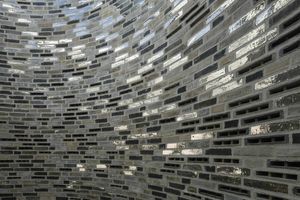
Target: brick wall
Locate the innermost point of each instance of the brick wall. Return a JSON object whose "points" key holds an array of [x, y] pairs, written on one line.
{"points": [[149, 99]]}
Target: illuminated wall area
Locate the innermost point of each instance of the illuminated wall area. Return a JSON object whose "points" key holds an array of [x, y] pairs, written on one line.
{"points": [[149, 99]]}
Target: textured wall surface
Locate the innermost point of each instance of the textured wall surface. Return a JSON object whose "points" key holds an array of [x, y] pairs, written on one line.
{"points": [[153, 99]]}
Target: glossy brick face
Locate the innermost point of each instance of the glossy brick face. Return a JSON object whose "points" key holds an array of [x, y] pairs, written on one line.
{"points": [[149, 100]]}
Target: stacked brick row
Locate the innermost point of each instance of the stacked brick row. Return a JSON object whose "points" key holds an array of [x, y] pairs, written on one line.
{"points": [[149, 99]]}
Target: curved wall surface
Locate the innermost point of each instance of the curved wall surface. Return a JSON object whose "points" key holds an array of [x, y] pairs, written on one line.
{"points": [[149, 99]]}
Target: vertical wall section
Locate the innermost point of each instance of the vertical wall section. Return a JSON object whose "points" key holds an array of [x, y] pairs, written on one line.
{"points": [[149, 100]]}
